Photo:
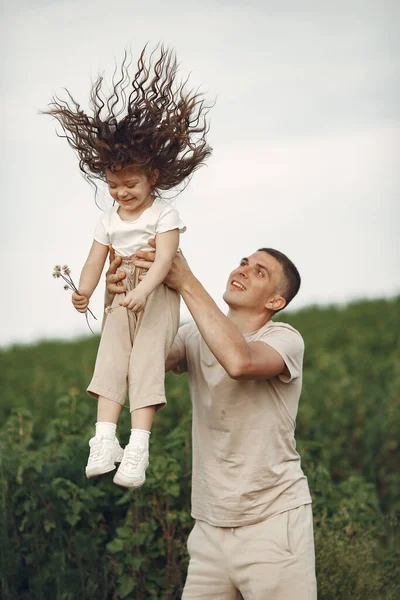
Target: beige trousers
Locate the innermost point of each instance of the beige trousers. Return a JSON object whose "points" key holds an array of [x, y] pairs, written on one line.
{"points": [[134, 347], [271, 560]]}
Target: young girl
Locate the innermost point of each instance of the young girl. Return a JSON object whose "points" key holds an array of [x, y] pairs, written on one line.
{"points": [[140, 144]]}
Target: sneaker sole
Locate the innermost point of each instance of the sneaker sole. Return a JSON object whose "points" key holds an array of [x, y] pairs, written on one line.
{"points": [[94, 472], [102, 469], [124, 483]]}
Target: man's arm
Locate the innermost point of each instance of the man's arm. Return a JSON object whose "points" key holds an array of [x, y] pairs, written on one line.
{"points": [[239, 358], [114, 279]]}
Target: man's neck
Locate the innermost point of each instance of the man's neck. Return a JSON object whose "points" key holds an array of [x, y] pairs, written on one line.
{"points": [[248, 321]]}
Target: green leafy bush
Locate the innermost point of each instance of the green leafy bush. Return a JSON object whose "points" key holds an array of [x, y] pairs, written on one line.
{"points": [[65, 538]]}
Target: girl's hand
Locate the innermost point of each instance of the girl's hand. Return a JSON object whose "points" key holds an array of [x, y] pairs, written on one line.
{"points": [[134, 300], [80, 302]]}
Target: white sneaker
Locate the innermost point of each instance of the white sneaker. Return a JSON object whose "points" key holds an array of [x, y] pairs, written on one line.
{"points": [[132, 470], [104, 453]]}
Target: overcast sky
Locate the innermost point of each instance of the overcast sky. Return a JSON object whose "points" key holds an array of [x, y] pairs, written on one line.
{"points": [[305, 133]]}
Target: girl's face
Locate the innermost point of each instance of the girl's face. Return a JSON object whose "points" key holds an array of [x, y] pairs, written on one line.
{"points": [[131, 188]]}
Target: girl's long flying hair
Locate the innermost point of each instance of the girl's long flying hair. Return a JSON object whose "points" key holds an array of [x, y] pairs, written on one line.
{"points": [[149, 121]]}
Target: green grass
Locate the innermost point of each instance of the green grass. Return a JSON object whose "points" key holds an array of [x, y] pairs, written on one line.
{"points": [[65, 538]]}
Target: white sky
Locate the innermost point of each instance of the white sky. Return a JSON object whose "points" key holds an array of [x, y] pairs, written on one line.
{"points": [[305, 132]]}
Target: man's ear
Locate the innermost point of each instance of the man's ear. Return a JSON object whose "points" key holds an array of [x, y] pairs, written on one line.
{"points": [[276, 303]]}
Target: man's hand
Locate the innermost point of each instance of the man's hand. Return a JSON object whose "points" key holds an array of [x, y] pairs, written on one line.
{"points": [[113, 278], [134, 300], [80, 302], [179, 273]]}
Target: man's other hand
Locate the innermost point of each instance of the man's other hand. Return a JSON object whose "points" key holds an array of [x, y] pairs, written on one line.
{"points": [[113, 279]]}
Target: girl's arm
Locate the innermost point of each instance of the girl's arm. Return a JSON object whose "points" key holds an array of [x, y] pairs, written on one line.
{"points": [[90, 276], [167, 245]]}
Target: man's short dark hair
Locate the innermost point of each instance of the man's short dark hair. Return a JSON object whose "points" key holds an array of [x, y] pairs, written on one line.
{"points": [[291, 277]]}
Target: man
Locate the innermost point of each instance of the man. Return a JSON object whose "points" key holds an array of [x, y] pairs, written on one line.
{"points": [[253, 535]]}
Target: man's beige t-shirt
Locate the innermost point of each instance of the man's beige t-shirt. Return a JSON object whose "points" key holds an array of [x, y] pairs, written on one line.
{"points": [[245, 465]]}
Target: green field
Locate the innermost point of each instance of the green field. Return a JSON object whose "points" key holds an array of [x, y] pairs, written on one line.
{"points": [[64, 538]]}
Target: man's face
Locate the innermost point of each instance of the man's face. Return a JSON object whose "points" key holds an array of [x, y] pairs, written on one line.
{"points": [[255, 283]]}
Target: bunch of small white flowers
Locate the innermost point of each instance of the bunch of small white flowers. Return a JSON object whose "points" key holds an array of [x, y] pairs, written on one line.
{"points": [[65, 273]]}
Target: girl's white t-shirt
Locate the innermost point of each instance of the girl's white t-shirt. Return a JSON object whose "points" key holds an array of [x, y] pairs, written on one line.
{"points": [[127, 237]]}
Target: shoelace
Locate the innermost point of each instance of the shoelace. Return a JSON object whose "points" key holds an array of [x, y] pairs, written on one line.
{"points": [[133, 456]]}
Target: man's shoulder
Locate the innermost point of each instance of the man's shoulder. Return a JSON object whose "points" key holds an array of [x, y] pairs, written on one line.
{"points": [[283, 326], [280, 329], [288, 342]]}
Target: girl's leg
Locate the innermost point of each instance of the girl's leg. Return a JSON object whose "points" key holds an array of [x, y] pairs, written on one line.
{"points": [[142, 418], [107, 418], [153, 338], [107, 410], [141, 421], [132, 470], [105, 450]]}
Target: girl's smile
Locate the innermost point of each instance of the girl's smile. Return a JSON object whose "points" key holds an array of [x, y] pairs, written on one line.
{"points": [[131, 189]]}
